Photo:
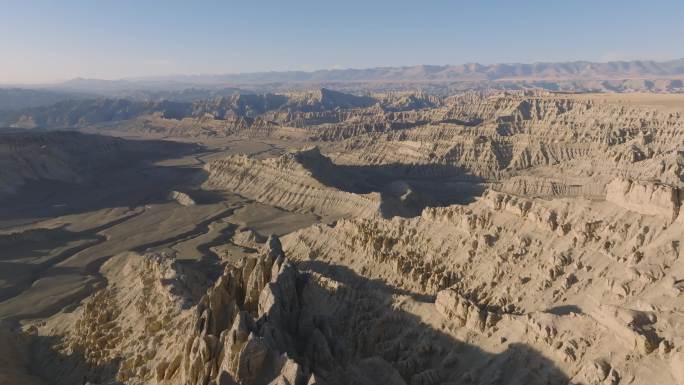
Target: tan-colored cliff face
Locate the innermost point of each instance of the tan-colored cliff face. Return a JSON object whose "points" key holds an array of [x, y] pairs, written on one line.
{"points": [[314, 326], [581, 280], [308, 181], [157, 322], [539, 145], [265, 321], [512, 135], [574, 284], [289, 182], [562, 266], [646, 198]]}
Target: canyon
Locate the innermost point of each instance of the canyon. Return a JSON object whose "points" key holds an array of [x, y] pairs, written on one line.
{"points": [[328, 236]]}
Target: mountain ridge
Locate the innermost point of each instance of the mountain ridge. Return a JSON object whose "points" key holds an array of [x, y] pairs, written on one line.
{"points": [[467, 71]]}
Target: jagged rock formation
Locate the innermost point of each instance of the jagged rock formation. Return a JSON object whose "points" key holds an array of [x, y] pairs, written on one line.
{"points": [[239, 105], [122, 331], [549, 187], [324, 100], [323, 105], [248, 238], [577, 279], [646, 198], [153, 325], [263, 321], [464, 312], [306, 181], [244, 326], [585, 142], [566, 269]]}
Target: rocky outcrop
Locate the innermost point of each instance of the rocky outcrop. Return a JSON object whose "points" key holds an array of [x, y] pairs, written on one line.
{"points": [[263, 321], [324, 100], [82, 112], [112, 335], [567, 269], [156, 324], [295, 181], [244, 327], [508, 273], [549, 188], [540, 139], [464, 312], [645, 197], [634, 327], [574, 278], [248, 238], [182, 198]]}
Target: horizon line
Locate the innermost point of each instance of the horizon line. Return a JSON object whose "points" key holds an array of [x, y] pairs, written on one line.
{"points": [[140, 78]]}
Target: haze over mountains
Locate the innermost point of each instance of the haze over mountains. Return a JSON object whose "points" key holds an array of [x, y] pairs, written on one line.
{"points": [[578, 76], [463, 72]]}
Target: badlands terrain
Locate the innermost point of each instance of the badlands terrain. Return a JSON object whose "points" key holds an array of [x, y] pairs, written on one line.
{"points": [[326, 237]]}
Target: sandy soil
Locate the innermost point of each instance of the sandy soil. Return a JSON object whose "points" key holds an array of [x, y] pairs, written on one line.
{"points": [[56, 235]]}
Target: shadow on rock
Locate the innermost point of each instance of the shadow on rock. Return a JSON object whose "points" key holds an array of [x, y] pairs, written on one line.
{"points": [[126, 175], [406, 189], [371, 339]]}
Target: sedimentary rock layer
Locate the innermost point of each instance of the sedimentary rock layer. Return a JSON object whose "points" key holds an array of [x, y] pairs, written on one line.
{"points": [[290, 181], [576, 279]]}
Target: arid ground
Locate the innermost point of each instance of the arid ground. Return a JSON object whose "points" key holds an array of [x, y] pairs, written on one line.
{"points": [[325, 237]]}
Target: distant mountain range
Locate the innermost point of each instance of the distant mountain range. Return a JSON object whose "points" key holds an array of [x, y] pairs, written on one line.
{"points": [[577, 76], [577, 70]]}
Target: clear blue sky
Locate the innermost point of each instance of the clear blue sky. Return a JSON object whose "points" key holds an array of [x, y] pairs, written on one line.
{"points": [[61, 39]]}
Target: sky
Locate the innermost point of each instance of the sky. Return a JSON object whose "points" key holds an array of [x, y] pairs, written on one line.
{"points": [[48, 41]]}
